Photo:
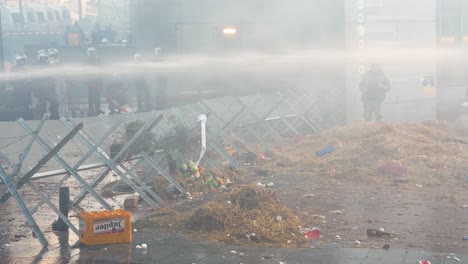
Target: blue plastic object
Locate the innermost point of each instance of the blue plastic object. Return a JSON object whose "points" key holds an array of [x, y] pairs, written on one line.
{"points": [[326, 151], [465, 238]]}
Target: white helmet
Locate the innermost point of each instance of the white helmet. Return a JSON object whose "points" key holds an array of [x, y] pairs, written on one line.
{"points": [[157, 51], [53, 52], [42, 54], [137, 57], [104, 41], [20, 57], [91, 50]]}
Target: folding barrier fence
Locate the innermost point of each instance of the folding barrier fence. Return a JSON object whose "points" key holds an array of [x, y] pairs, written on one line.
{"points": [[234, 124]]}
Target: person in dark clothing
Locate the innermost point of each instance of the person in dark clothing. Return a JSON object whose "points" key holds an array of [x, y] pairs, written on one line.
{"points": [[44, 89], [374, 87], [142, 89], [117, 96], [97, 34], [94, 85], [60, 83], [110, 34], [22, 93]]}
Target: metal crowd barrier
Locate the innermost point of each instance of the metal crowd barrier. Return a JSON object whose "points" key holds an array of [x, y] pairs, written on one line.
{"points": [[238, 123]]}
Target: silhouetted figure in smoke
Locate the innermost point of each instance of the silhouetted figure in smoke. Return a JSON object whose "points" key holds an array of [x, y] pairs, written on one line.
{"points": [[22, 93], [94, 83], [44, 89], [142, 89], [117, 97], [374, 87], [110, 34], [59, 83], [97, 35]]}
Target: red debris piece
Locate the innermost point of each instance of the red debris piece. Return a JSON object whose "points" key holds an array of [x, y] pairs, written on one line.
{"points": [[424, 262], [312, 234]]}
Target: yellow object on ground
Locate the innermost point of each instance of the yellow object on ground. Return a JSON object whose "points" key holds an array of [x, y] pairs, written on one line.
{"points": [[105, 227]]}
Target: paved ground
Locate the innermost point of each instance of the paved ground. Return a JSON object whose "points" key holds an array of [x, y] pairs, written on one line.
{"points": [[177, 248]]}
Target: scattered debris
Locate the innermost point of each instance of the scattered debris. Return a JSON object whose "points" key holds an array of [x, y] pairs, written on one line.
{"points": [[465, 238], [233, 252], [262, 173], [318, 216], [131, 203], [325, 151], [279, 218], [267, 257], [375, 232], [338, 237], [337, 212], [424, 262], [270, 184], [135, 230], [357, 242], [142, 246], [386, 247], [454, 258], [381, 229], [308, 195], [252, 236], [312, 233]]}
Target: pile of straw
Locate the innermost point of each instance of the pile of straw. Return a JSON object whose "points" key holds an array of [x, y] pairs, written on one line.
{"points": [[429, 152], [246, 215]]}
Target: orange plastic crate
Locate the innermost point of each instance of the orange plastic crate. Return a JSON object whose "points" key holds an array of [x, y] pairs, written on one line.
{"points": [[105, 227]]}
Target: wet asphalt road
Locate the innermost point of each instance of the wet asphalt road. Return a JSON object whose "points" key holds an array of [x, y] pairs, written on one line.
{"points": [[177, 248]]}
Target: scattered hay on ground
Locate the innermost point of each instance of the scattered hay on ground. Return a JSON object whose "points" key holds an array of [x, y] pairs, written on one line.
{"points": [[246, 215], [427, 152]]}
